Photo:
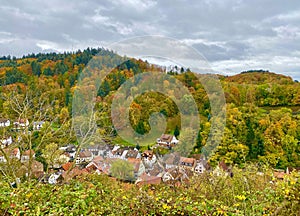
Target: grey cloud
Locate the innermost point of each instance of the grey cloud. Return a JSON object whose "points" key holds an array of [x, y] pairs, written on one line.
{"points": [[231, 34]]}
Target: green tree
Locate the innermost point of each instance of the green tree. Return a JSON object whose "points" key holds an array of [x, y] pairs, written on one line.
{"points": [[176, 131], [52, 154], [122, 169], [36, 68]]}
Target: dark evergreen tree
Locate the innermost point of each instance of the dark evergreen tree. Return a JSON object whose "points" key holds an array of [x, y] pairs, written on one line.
{"points": [[140, 128], [176, 131]]}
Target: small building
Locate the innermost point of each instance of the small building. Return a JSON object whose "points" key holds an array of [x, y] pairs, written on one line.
{"points": [[147, 179], [201, 166], [15, 153], [27, 155], [120, 153], [97, 150], [171, 160], [187, 162], [84, 156], [10, 153], [38, 125], [133, 153], [6, 141], [149, 158], [167, 140], [177, 174], [4, 122], [21, 123]]}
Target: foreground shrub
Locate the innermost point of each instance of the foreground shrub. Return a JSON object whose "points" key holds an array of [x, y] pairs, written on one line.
{"points": [[246, 193]]}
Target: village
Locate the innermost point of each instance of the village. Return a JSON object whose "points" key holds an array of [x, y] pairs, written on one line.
{"points": [[149, 167]]}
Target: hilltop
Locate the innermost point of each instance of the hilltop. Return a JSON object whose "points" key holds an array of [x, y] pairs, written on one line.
{"points": [[259, 77]]}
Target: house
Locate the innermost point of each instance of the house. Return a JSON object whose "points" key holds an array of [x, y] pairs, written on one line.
{"points": [[99, 165], [6, 141], [15, 153], [10, 153], [67, 166], [147, 179], [138, 166], [111, 151], [84, 156], [27, 155], [176, 174], [187, 162], [38, 125], [37, 169], [167, 140], [70, 151], [133, 153], [97, 150], [222, 169], [279, 175], [3, 157], [68, 148], [21, 123], [4, 122], [157, 170], [54, 178], [70, 174], [201, 166], [120, 153], [171, 160], [149, 158]]}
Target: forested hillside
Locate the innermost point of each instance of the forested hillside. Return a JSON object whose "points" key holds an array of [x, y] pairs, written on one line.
{"points": [[262, 125]]}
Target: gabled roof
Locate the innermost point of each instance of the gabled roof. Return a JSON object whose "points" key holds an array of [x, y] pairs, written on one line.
{"points": [[85, 154], [132, 154], [172, 158], [146, 179], [279, 175], [119, 151], [38, 123], [21, 121], [166, 138], [15, 151], [67, 166], [3, 120], [156, 170], [27, 153], [98, 159], [147, 153], [186, 160]]}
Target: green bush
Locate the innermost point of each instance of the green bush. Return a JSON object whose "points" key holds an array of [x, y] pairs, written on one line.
{"points": [[246, 193]]}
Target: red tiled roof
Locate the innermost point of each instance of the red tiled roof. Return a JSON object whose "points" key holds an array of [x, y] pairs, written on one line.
{"points": [[187, 160], [85, 154], [279, 175], [67, 166], [27, 153], [145, 179], [98, 159], [15, 151]]}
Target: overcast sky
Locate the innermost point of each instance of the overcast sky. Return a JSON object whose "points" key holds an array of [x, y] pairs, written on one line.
{"points": [[233, 35]]}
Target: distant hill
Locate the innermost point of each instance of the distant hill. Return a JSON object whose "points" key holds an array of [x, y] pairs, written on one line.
{"points": [[259, 77]]}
